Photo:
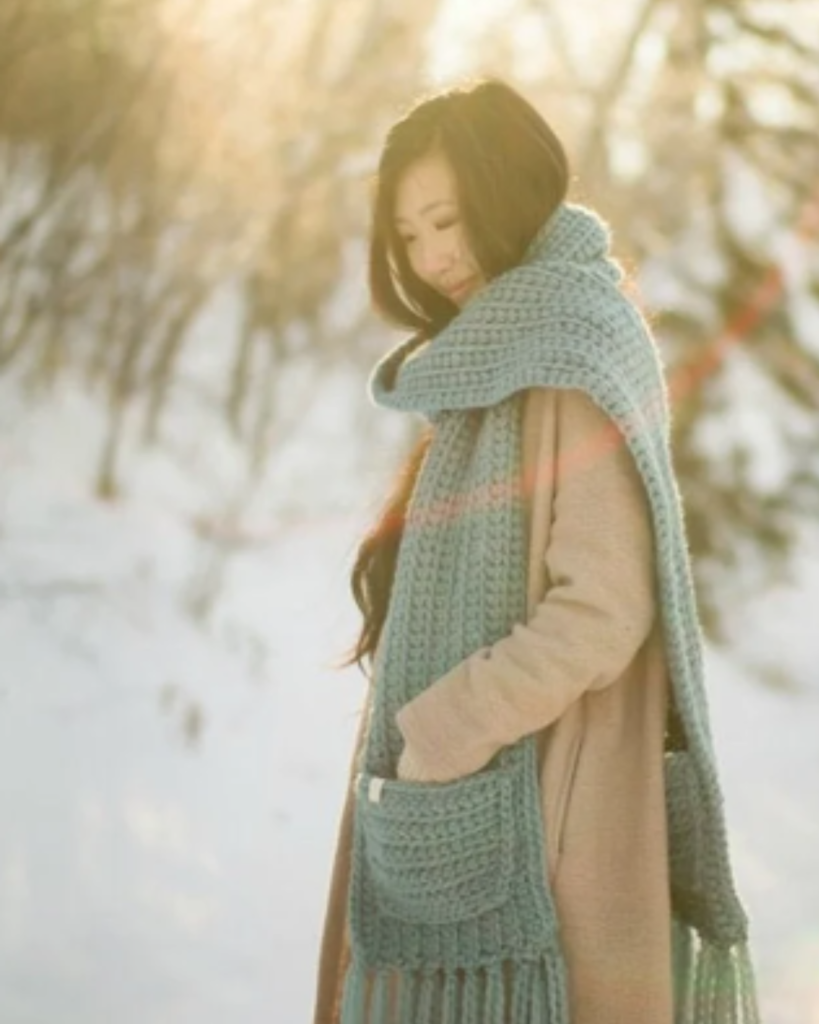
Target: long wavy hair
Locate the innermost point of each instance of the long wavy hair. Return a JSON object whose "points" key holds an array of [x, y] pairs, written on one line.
{"points": [[511, 173]]}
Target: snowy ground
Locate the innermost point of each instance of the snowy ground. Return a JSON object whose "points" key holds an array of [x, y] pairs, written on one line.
{"points": [[169, 792]]}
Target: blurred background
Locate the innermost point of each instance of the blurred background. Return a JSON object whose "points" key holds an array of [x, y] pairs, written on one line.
{"points": [[188, 457]]}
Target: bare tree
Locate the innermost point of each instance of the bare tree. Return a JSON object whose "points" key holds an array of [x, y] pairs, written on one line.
{"points": [[695, 129], [152, 151], [165, 166]]}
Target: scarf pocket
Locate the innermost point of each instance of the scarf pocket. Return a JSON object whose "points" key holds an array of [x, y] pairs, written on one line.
{"points": [[683, 799], [439, 853], [451, 875], [698, 852]]}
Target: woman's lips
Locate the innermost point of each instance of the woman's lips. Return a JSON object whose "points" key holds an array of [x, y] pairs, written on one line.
{"points": [[460, 291]]}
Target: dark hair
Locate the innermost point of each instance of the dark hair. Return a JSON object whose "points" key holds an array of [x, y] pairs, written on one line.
{"points": [[511, 173]]}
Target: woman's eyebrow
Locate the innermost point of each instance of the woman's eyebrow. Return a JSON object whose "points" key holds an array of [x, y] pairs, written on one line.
{"points": [[427, 209]]}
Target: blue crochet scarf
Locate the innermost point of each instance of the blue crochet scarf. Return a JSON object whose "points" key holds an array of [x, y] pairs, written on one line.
{"points": [[450, 912]]}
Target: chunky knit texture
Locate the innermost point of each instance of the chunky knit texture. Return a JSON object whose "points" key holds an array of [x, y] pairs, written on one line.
{"points": [[450, 914]]}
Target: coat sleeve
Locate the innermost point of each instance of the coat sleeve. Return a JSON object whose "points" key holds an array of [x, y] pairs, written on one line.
{"points": [[597, 612]]}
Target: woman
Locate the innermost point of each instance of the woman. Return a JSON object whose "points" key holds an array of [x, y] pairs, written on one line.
{"points": [[533, 832]]}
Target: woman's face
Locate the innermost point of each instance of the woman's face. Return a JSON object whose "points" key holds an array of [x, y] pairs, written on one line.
{"points": [[428, 220]]}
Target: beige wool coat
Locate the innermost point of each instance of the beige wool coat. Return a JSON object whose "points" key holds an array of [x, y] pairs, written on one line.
{"points": [[587, 673]]}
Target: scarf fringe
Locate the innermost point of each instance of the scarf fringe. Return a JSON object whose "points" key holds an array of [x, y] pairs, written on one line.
{"points": [[532, 992], [712, 985]]}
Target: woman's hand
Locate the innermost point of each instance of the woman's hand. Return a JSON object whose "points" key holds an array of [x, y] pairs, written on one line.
{"points": [[410, 767], [429, 756]]}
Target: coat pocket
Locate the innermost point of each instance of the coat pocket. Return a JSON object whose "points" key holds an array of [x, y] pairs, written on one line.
{"points": [[563, 797], [438, 853]]}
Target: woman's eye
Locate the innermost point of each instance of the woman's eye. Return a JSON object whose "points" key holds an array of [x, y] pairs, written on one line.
{"points": [[448, 223]]}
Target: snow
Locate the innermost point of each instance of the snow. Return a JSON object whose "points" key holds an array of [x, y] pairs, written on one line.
{"points": [[170, 788]]}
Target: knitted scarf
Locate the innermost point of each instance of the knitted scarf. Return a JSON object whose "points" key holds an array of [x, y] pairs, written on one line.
{"points": [[451, 917]]}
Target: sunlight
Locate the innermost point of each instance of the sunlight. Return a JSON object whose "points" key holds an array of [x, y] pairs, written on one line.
{"points": [[585, 35], [458, 26]]}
